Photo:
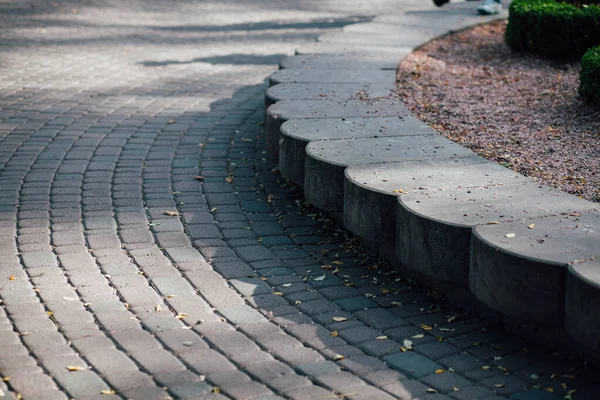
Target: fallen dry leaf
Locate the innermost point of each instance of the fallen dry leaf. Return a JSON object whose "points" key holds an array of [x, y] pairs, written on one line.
{"points": [[171, 213], [278, 293], [107, 391], [199, 178], [320, 278], [440, 371], [510, 235], [75, 368], [418, 336], [531, 226], [426, 327], [381, 337], [340, 319], [338, 357], [11, 278], [334, 333], [407, 344], [181, 315]]}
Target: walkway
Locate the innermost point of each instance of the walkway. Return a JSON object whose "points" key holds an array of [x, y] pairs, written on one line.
{"points": [[150, 251]]}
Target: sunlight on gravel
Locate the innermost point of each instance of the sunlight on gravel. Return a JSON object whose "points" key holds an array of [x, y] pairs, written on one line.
{"points": [[516, 109]]}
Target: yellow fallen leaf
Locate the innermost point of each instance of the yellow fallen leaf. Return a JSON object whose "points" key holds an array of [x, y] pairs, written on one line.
{"points": [[485, 367], [500, 385], [326, 266], [216, 389], [74, 368], [181, 315], [418, 336], [384, 290], [278, 293], [563, 385], [338, 357], [335, 334], [426, 327], [11, 278], [340, 319], [107, 391], [320, 278], [6, 379], [158, 308], [212, 210], [297, 302], [381, 337], [398, 191], [430, 390], [531, 226], [403, 349], [171, 213], [337, 263], [19, 396], [550, 390], [510, 235], [455, 389], [49, 312], [493, 223], [440, 371]]}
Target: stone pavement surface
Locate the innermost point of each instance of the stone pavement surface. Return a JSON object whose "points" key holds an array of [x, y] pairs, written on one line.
{"points": [[148, 250]]}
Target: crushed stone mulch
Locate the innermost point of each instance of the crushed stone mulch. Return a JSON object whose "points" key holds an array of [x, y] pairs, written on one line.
{"points": [[517, 109]]}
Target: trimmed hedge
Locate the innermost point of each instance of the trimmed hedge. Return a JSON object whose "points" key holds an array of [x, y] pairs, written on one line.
{"points": [[552, 28], [589, 78]]}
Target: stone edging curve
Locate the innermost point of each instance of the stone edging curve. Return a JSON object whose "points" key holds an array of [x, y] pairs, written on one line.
{"points": [[492, 240]]}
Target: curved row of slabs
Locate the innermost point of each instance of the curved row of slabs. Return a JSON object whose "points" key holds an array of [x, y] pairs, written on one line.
{"points": [[462, 223]]}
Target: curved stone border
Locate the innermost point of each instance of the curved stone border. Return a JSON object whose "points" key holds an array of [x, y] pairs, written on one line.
{"points": [[428, 205]]}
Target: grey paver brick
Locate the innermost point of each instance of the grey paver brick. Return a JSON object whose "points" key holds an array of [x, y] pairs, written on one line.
{"points": [[412, 363]]}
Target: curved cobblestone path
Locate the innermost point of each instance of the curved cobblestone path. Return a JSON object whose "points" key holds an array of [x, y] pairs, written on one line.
{"points": [[109, 112]]}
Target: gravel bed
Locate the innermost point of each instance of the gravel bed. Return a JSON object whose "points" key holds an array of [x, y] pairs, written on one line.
{"points": [[517, 109]]}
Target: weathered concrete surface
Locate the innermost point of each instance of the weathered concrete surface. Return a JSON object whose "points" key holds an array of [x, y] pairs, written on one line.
{"points": [[342, 61], [326, 91], [520, 269], [278, 113], [297, 133], [304, 75], [371, 191], [363, 49], [393, 29], [434, 229], [411, 37], [582, 319], [327, 160]]}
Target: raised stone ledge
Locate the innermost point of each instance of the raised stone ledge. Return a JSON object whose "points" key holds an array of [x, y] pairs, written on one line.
{"points": [[297, 133], [326, 91], [459, 222], [331, 76], [326, 161], [342, 61]]}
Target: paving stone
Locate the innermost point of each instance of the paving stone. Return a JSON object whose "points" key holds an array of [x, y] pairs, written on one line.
{"points": [[412, 363]]}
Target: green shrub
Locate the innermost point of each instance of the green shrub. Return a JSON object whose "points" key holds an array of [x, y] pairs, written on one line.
{"points": [[589, 78], [552, 28]]}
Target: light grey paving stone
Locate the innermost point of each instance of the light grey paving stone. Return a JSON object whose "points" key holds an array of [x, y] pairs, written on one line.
{"points": [[297, 133], [582, 320], [326, 161], [371, 191], [331, 76], [278, 113], [327, 91], [409, 36], [434, 228], [327, 48], [522, 271], [385, 29], [341, 61]]}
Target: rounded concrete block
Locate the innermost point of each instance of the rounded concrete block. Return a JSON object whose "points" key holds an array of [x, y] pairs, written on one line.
{"points": [[297, 133], [363, 50], [409, 37], [582, 306], [520, 269], [331, 76], [278, 113], [327, 91], [375, 187], [434, 227], [342, 61], [327, 160]]}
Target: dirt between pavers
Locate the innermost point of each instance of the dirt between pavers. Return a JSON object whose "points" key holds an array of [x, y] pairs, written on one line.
{"points": [[515, 108]]}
